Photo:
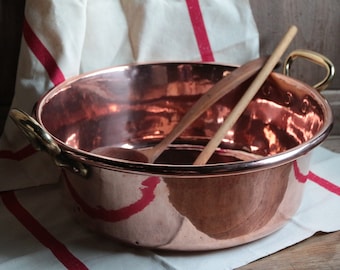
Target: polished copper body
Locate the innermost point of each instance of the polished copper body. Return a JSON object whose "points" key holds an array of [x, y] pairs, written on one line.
{"points": [[172, 204]]}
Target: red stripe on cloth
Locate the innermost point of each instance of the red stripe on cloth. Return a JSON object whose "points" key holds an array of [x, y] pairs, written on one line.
{"points": [[316, 179], [324, 183], [19, 155], [42, 54], [59, 250], [200, 31], [52, 69]]}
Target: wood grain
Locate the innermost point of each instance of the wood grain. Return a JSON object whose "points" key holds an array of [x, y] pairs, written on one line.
{"points": [[321, 251], [319, 28]]}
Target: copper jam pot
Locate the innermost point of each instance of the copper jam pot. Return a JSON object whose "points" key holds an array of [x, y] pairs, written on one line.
{"points": [[175, 205]]}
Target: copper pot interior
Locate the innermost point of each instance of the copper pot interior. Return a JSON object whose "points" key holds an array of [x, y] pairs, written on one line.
{"points": [[137, 106]]}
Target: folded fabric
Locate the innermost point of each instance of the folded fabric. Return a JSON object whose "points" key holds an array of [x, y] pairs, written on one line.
{"points": [[63, 38], [38, 232]]}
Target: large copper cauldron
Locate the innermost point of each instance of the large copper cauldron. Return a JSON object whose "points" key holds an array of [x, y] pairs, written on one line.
{"points": [[172, 204]]}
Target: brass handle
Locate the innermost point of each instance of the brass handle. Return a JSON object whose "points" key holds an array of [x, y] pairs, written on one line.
{"points": [[316, 58], [42, 141]]}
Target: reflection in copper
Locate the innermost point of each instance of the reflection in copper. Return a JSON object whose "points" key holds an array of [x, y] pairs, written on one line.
{"points": [[131, 106], [254, 149], [113, 108], [72, 140], [273, 141], [291, 128], [127, 146]]}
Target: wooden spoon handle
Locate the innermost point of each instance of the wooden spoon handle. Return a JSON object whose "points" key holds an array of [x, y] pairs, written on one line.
{"points": [[247, 97], [221, 88]]}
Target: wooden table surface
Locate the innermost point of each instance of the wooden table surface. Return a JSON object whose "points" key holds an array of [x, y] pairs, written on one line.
{"points": [[321, 251]]}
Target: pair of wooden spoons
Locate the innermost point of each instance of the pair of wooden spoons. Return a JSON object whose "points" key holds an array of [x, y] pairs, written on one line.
{"points": [[263, 66]]}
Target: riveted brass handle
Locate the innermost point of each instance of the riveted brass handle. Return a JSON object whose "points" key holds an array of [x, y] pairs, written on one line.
{"points": [[316, 58], [42, 141]]}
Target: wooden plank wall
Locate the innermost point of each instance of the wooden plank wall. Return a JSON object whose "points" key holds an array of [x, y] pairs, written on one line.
{"points": [[318, 23], [319, 30]]}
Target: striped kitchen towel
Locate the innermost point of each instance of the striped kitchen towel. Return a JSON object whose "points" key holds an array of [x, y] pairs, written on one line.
{"points": [[63, 38]]}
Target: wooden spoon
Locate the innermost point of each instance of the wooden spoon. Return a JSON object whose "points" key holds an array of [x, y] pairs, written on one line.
{"points": [[221, 88], [247, 97]]}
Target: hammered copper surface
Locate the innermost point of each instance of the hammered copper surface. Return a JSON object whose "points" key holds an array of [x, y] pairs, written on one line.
{"points": [[172, 204], [136, 106]]}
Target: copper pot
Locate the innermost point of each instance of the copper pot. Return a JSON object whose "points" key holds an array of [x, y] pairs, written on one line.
{"points": [[173, 204]]}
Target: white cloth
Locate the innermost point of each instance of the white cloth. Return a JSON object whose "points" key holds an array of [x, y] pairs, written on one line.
{"points": [[37, 232], [62, 38]]}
